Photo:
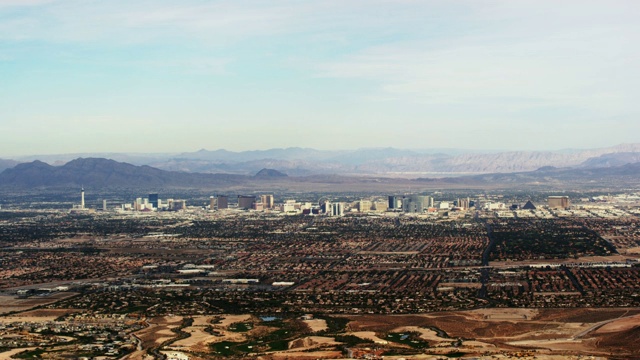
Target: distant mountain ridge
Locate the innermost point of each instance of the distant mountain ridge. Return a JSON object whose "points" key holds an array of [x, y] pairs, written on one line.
{"points": [[628, 174], [298, 161], [104, 173], [379, 161], [612, 159], [98, 173]]}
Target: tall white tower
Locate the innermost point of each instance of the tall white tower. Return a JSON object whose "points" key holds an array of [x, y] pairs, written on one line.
{"points": [[82, 198]]}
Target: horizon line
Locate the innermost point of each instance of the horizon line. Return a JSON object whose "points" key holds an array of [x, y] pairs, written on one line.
{"points": [[455, 149]]}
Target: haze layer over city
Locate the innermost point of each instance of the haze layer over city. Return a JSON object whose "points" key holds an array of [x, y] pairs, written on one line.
{"points": [[319, 179]]}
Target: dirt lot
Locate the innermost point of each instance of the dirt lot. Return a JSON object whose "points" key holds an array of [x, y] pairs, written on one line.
{"points": [[545, 333], [312, 342], [548, 331], [230, 319], [505, 314], [38, 315], [623, 324], [199, 339], [13, 304], [159, 330], [368, 335], [305, 355], [634, 251], [584, 315], [8, 354], [316, 324]]}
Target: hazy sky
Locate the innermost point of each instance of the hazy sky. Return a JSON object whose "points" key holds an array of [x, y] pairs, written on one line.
{"points": [[165, 76]]}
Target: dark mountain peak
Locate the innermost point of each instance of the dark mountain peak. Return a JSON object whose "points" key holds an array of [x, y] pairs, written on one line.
{"points": [[100, 165], [99, 173], [268, 173], [91, 161], [32, 169], [30, 174], [36, 164]]}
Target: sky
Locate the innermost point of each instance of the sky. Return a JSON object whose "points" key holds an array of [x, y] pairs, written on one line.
{"points": [[79, 76]]}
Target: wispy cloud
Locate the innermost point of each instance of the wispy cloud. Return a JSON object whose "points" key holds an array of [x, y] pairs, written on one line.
{"points": [[211, 21], [363, 66], [139, 21], [158, 21], [584, 64], [23, 3]]}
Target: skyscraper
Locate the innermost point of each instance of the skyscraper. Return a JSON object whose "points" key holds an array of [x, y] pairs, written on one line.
{"points": [[82, 198], [415, 203], [267, 201], [381, 206], [395, 202], [463, 203], [337, 209], [153, 200], [364, 205], [246, 202], [223, 202], [558, 202], [179, 205]]}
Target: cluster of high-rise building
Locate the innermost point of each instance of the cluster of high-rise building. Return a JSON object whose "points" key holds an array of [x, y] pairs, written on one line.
{"points": [[409, 203], [154, 203], [245, 202]]}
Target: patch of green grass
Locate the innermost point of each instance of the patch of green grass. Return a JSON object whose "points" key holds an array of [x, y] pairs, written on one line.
{"points": [[240, 327], [279, 334], [334, 324], [278, 323], [32, 354], [350, 340], [279, 345], [248, 347], [277, 340], [455, 354], [409, 338], [225, 348]]}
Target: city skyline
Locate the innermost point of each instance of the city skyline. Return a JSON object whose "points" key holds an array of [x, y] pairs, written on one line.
{"points": [[151, 77]]}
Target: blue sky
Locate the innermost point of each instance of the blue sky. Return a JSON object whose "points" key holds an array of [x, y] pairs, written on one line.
{"points": [[173, 76]]}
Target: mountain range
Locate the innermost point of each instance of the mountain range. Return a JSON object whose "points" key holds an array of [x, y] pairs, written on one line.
{"points": [[373, 162], [104, 173], [98, 173]]}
